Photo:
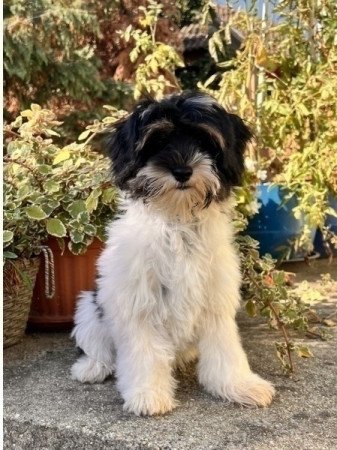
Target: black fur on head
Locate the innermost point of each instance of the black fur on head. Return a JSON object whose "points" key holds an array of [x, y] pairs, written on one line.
{"points": [[167, 134]]}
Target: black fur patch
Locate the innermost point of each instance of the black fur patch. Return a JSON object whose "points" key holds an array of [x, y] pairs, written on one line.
{"points": [[99, 308], [164, 290], [80, 351]]}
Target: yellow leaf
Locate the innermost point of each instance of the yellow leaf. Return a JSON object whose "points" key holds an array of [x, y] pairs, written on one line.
{"points": [[261, 57], [84, 135], [304, 352], [27, 113], [52, 132], [63, 155]]}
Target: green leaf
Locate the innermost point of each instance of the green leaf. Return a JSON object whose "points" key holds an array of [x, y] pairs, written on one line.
{"points": [[36, 213], [76, 208], [89, 229], [76, 236], [304, 352], [96, 192], [56, 228], [77, 249], [211, 79], [212, 50], [17, 122], [108, 195], [83, 217], [23, 191], [7, 236], [44, 169], [91, 202], [88, 240], [84, 135], [251, 308], [51, 206], [101, 233], [9, 255], [303, 109], [51, 132], [51, 186]]}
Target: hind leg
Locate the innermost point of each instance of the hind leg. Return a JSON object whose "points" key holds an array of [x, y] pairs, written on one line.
{"points": [[186, 357], [92, 334]]}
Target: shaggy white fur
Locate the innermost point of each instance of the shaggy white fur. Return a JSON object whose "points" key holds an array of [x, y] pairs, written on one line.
{"points": [[169, 290]]}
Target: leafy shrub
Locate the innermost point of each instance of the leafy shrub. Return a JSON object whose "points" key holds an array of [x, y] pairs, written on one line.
{"points": [[51, 190], [44, 44], [282, 82], [156, 61]]}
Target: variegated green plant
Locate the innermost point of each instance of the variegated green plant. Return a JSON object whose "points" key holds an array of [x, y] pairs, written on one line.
{"points": [[51, 190]]}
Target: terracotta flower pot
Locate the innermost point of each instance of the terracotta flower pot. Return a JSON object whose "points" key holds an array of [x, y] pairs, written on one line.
{"points": [[72, 275]]}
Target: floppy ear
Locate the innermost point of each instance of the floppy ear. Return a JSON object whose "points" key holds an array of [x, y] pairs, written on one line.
{"points": [[237, 138], [242, 133], [122, 141], [119, 144]]}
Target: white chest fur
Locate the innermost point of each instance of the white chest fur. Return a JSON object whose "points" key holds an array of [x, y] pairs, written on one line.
{"points": [[167, 272]]}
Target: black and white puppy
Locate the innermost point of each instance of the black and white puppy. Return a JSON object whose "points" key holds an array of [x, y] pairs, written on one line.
{"points": [[169, 278]]}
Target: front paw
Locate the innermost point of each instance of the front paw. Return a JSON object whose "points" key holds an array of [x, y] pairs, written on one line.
{"points": [[87, 370], [250, 390], [149, 402]]}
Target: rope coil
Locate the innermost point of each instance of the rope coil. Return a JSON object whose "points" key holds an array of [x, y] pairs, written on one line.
{"points": [[49, 271]]}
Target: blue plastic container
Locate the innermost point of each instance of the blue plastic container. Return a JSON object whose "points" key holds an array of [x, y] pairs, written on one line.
{"points": [[330, 222], [275, 226]]}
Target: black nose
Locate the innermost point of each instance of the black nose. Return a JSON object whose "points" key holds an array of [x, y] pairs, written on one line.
{"points": [[182, 173]]}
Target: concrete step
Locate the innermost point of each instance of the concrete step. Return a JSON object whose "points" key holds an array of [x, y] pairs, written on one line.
{"points": [[45, 409]]}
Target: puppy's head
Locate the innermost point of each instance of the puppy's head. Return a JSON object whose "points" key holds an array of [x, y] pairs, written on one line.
{"points": [[178, 154]]}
